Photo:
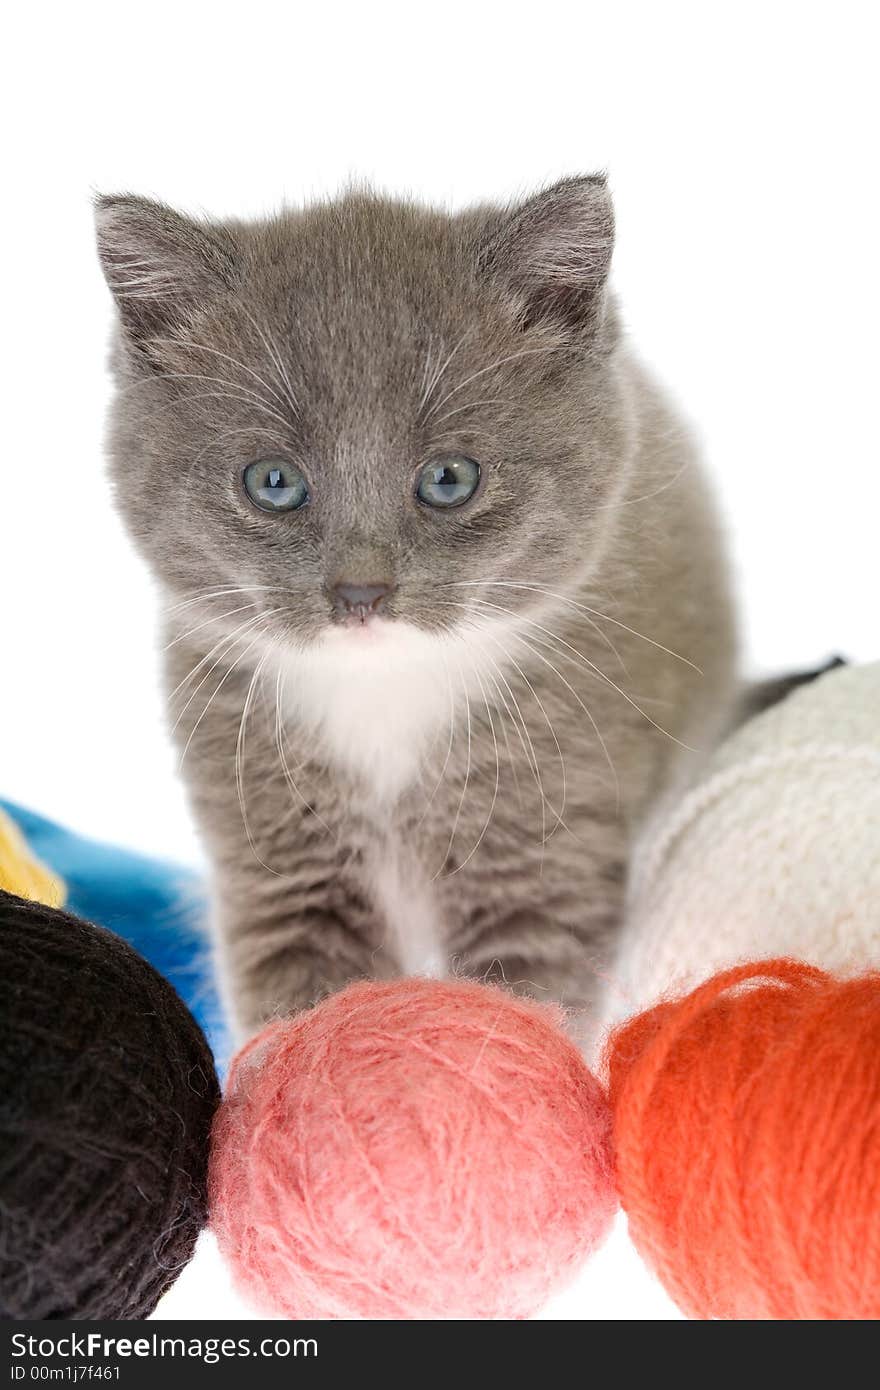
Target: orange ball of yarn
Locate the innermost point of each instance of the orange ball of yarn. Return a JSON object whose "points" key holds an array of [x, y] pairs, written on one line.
{"points": [[747, 1129]]}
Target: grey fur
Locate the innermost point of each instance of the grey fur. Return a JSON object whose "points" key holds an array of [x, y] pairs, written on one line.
{"points": [[315, 335]]}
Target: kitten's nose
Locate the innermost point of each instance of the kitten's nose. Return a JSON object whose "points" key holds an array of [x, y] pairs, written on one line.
{"points": [[359, 600]]}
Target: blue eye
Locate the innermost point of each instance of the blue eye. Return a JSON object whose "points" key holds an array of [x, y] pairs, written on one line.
{"points": [[274, 485], [448, 481]]}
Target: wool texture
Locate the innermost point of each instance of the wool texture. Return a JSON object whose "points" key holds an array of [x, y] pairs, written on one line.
{"points": [[107, 1093], [747, 1133], [22, 873], [747, 1102], [159, 908], [413, 1149], [776, 852]]}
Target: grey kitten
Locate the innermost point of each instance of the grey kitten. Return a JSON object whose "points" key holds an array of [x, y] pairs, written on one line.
{"points": [[445, 596]]}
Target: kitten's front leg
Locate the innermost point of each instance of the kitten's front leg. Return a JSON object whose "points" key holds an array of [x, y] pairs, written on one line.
{"points": [[544, 923], [283, 946], [542, 955], [293, 918]]}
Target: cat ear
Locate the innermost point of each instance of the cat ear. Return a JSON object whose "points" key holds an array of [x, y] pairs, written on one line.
{"points": [[553, 254], [161, 267]]}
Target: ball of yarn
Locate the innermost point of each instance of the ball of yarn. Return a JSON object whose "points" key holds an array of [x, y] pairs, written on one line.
{"points": [[107, 1093], [747, 1133], [159, 908], [21, 872], [413, 1149], [775, 852]]}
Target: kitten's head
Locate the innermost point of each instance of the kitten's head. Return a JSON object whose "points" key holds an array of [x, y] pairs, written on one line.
{"points": [[366, 409]]}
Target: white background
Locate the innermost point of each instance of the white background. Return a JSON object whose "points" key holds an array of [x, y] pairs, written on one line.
{"points": [[741, 142]]}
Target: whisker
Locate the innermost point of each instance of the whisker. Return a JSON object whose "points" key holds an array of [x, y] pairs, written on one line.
{"points": [[440, 779], [234, 361], [217, 617], [162, 377], [245, 392], [466, 780], [426, 371], [493, 366], [591, 666], [648, 496], [581, 610], [488, 819], [454, 435], [572, 603], [520, 722], [250, 399], [500, 699], [471, 405], [435, 380], [227, 642], [224, 641], [272, 349], [157, 286], [239, 764], [218, 688], [519, 638], [282, 753], [559, 815], [538, 701], [203, 594]]}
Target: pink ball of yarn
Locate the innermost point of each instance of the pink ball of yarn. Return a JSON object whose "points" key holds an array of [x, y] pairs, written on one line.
{"points": [[415, 1149]]}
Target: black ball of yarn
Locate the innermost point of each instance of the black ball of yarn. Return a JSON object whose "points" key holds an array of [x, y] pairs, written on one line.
{"points": [[107, 1093]]}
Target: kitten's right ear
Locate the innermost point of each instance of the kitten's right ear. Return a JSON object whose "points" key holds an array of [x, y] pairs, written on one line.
{"points": [[162, 267], [552, 254]]}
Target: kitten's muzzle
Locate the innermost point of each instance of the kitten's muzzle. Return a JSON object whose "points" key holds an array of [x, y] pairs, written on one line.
{"points": [[356, 603]]}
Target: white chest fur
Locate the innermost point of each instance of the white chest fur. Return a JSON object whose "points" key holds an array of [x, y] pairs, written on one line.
{"points": [[405, 897], [377, 699]]}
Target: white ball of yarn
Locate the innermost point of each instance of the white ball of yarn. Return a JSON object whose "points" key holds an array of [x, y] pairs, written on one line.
{"points": [[774, 852]]}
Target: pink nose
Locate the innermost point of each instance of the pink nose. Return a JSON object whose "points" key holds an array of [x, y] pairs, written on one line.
{"points": [[359, 600]]}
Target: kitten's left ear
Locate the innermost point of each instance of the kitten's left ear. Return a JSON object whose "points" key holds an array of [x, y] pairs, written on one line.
{"points": [[553, 253], [162, 267]]}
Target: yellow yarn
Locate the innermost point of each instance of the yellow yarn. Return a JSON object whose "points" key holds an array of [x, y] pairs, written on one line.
{"points": [[21, 873]]}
